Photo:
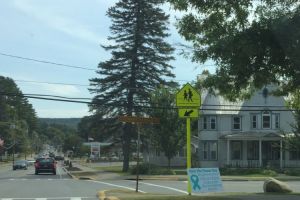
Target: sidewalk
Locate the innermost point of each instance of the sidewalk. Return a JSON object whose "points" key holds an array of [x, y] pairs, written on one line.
{"points": [[87, 172]]}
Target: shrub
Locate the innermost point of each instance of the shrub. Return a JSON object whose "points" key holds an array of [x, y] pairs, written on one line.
{"points": [[292, 172], [239, 171]]}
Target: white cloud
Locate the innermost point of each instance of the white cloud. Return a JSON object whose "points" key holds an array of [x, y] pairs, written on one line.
{"points": [[68, 26], [65, 90]]}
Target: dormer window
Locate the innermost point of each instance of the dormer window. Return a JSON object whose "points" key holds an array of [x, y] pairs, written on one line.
{"points": [[266, 119]]}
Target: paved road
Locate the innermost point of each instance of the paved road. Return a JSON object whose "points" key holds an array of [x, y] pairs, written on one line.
{"points": [[24, 184]]}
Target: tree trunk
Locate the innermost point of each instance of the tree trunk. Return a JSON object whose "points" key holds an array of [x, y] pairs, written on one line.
{"points": [[126, 146]]}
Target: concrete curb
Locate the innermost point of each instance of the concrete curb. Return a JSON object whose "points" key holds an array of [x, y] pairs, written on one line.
{"points": [[69, 173], [176, 178]]}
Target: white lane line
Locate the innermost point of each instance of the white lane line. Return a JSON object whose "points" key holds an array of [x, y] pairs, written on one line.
{"points": [[41, 199], [6, 199], [75, 198], [114, 185], [59, 173], [166, 187]]}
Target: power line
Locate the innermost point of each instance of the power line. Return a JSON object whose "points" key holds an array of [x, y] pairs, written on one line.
{"points": [[63, 65], [76, 100], [46, 62], [52, 83]]}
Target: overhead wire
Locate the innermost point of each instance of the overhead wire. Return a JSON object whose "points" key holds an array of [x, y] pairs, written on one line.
{"points": [[47, 62], [78, 100]]}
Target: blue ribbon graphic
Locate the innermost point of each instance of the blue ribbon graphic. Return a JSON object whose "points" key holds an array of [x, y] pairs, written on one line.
{"points": [[195, 182]]}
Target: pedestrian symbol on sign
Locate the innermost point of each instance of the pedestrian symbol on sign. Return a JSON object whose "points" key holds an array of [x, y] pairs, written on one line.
{"points": [[188, 96]]}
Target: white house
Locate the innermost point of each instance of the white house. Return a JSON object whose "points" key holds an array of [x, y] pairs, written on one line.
{"points": [[247, 133]]}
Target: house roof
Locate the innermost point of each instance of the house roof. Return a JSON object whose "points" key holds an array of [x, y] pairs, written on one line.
{"points": [[252, 136], [216, 104]]}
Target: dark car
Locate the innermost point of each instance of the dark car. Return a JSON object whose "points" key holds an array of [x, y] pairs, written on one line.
{"points": [[47, 165], [20, 164], [59, 158]]}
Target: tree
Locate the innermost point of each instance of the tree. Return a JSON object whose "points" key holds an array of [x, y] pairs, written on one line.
{"points": [[253, 43], [293, 141], [138, 64], [17, 116], [169, 134]]}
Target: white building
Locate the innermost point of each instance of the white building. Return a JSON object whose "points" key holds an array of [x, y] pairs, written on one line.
{"points": [[245, 134]]}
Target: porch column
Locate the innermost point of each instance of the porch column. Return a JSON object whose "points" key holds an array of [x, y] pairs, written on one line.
{"points": [[281, 154], [228, 152], [260, 157]]}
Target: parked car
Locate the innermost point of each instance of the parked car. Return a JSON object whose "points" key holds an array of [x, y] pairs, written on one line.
{"points": [[20, 164], [59, 158], [30, 162], [45, 165]]}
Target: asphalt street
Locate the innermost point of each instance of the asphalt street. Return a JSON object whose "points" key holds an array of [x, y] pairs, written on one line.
{"points": [[25, 185]]}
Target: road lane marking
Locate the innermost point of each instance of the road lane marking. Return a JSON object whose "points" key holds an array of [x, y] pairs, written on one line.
{"points": [[166, 187], [49, 198], [114, 185], [59, 172]]}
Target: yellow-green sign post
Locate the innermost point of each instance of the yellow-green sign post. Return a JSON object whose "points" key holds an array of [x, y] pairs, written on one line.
{"points": [[188, 101]]}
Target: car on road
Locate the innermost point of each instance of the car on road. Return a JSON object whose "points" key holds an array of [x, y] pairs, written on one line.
{"points": [[20, 164], [30, 162], [59, 158], [43, 165]]}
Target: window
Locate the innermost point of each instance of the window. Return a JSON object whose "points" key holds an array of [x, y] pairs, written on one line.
{"points": [[236, 123], [236, 150], [209, 122], [294, 155], [254, 121], [210, 149], [266, 119], [252, 150], [277, 121], [205, 123]]}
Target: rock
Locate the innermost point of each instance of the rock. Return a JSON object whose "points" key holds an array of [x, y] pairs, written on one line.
{"points": [[273, 185]]}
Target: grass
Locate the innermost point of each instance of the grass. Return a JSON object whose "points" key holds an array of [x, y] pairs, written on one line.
{"points": [[112, 169]]}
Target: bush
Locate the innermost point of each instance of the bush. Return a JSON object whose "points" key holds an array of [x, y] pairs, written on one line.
{"points": [[292, 172], [239, 171], [150, 169]]}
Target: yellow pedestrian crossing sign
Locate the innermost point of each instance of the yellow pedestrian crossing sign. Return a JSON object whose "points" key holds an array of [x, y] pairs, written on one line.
{"points": [[188, 97]]}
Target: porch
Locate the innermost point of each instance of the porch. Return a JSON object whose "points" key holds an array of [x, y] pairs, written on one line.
{"points": [[254, 150]]}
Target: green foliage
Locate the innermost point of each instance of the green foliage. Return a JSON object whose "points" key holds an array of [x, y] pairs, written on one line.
{"points": [[139, 63], [253, 43], [241, 172], [68, 122], [150, 169], [18, 121], [292, 172], [169, 134]]}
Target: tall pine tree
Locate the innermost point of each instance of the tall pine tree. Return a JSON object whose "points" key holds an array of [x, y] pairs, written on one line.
{"points": [[138, 64]]}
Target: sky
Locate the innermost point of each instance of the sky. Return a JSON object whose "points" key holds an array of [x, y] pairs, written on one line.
{"points": [[68, 32]]}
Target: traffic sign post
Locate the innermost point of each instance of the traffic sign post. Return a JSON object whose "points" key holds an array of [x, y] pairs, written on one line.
{"points": [[138, 121], [188, 101]]}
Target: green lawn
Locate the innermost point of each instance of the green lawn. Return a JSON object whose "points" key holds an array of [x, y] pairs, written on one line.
{"points": [[113, 169]]}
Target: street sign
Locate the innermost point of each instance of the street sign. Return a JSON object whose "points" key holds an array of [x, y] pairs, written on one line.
{"points": [[188, 97], [205, 180], [140, 120], [188, 112]]}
